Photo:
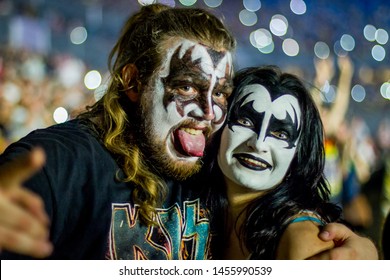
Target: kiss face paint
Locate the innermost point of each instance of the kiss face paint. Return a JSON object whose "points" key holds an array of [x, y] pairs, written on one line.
{"points": [[259, 141], [187, 99]]}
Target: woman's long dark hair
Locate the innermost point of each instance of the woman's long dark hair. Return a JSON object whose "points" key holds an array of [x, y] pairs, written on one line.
{"points": [[304, 186]]}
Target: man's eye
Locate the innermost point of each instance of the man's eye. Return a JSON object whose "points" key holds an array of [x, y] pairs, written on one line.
{"points": [[219, 94], [245, 122], [219, 97], [280, 135], [187, 90]]}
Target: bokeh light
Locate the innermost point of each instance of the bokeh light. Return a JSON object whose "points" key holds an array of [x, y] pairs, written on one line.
{"points": [[290, 47], [78, 35], [278, 25], [146, 2], [378, 53], [187, 2], [298, 7], [247, 18], [252, 5], [260, 38], [267, 49], [369, 32], [358, 93], [60, 115], [385, 90], [347, 42], [381, 36], [92, 79], [213, 3], [321, 50]]}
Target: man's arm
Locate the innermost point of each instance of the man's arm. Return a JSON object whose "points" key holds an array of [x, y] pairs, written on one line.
{"points": [[23, 221]]}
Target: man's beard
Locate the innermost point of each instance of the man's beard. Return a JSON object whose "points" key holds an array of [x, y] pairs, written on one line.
{"points": [[154, 149]]}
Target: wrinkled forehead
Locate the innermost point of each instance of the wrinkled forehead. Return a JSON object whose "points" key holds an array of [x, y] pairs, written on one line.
{"points": [[211, 60], [263, 101]]}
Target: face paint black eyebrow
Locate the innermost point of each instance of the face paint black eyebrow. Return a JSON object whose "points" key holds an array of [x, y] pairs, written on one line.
{"points": [[182, 69], [245, 111], [287, 125], [182, 66], [216, 56]]}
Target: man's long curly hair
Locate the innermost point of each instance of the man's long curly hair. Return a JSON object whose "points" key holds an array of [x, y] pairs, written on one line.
{"points": [[114, 118], [303, 188]]}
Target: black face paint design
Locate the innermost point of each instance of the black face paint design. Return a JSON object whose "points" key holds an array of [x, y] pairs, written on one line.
{"points": [[185, 73], [283, 129]]}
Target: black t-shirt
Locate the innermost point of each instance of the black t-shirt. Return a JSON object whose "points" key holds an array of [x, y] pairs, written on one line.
{"points": [[92, 214]]}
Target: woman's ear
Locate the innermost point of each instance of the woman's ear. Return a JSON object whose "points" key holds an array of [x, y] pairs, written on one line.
{"points": [[130, 81]]}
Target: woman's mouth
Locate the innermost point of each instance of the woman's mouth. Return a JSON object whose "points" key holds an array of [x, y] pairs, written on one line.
{"points": [[252, 162]]}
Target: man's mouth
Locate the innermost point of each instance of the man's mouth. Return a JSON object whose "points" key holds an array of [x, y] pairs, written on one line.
{"points": [[252, 162], [190, 141]]}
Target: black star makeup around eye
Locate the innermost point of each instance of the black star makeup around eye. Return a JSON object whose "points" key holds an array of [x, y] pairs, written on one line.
{"points": [[184, 110], [204, 69], [244, 109]]}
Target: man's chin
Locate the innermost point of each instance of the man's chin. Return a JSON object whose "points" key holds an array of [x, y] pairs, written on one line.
{"points": [[169, 162], [183, 170]]}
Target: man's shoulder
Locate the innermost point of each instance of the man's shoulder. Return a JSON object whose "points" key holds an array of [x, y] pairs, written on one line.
{"points": [[69, 128], [72, 138], [71, 133]]}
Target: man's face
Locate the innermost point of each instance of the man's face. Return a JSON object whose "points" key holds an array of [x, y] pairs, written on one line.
{"points": [[185, 102], [259, 140]]}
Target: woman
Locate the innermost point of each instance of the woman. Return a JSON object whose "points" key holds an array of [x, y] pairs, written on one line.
{"points": [[271, 159]]}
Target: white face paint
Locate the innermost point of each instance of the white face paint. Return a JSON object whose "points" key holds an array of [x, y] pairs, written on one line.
{"points": [[259, 141], [187, 98]]}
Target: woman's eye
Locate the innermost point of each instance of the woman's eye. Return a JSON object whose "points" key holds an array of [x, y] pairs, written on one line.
{"points": [[245, 122], [280, 135]]}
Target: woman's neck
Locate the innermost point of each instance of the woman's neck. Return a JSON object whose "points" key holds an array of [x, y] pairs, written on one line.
{"points": [[239, 197]]}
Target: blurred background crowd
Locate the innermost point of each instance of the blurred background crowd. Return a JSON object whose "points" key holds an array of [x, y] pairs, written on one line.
{"points": [[53, 63]]}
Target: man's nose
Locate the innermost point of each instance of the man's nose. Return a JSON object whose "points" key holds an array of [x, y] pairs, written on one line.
{"points": [[208, 112], [205, 111]]}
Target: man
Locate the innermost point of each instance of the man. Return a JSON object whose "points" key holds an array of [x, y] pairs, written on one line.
{"points": [[112, 182]]}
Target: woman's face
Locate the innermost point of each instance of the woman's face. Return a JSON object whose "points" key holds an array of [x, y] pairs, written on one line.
{"points": [[259, 141]]}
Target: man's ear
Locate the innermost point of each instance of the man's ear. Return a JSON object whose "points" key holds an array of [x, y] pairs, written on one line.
{"points": [[130, 81]]}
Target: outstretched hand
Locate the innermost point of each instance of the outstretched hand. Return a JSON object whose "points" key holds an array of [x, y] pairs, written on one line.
{"points": [[23, 220], [348, 245]]}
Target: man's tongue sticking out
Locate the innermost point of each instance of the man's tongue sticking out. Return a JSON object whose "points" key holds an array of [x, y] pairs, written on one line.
{"points": [[190, 141]]}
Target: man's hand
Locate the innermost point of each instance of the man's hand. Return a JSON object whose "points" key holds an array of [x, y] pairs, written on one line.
{"points": [[301, 241], [348, 245], [23, 220]]}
